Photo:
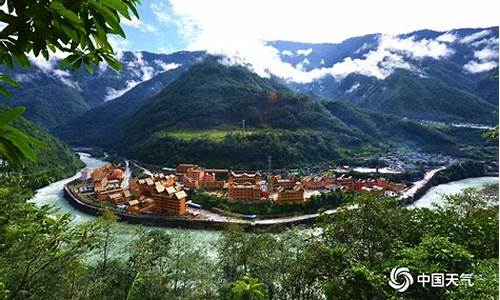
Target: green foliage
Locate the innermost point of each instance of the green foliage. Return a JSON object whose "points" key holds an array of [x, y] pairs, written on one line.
{"points": [[348, 255], [491, 134], [435, 97], [77, 28], [198, 118], [434, 255], [460, 170], [286, 147], [15, 146], [248, 289]]}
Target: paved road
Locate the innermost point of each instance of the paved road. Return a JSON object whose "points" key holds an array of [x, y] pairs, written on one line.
{"points": [[208, 215]]}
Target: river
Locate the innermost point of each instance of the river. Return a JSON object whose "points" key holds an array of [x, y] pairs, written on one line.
{"points": [[435, 194], [53, 195]]}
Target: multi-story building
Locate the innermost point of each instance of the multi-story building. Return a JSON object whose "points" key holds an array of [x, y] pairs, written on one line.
{"points": [[246, 191], [170, 201], [294, 195], [213, 184], [278, 181], [241, 178], [244, 186], [183, 168], [346, 182], [313, 182]]}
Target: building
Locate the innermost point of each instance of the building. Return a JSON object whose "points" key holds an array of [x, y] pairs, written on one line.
{"points": [[242, 178], [313, 182], [141, 205], [246, 191], [346, 182], [390, 186], [291, 196], [278, 181], [170, 201], [213, 184], [182, 169], [244, 186]]}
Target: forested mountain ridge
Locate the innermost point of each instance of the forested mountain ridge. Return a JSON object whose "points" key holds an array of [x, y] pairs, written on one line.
{"points": [[54, 159], [199, 116], [53, 95], [422, 75]]}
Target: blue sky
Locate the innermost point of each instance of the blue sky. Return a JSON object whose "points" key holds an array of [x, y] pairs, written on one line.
{"points": [[150, 33], [171, 25]]}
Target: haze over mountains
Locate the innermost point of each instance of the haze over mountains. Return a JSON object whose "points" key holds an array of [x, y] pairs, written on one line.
{"points": [[423, 76]]}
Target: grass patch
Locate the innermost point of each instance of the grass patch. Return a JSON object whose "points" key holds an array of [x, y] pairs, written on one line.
{"points": [[211, 134]]}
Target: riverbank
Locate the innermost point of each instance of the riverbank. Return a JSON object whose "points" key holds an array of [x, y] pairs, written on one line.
{"points": [[442, 175], [219, 222], [436, 193], [187, 222]]}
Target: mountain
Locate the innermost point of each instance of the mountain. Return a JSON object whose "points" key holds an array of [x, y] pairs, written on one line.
{"points": [[47, 89], [198, 117], [93, 127], [423, 75], [55, 160]]}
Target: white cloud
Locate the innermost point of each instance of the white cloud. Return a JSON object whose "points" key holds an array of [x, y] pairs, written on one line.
{"points": [[479, 67], [134, 22], [475, 36], [65, 78], [302, 64], [304, 52], [447, 37], [186, 26], [141, 71], [112, 93], [486, 54], [287, 53], [167, 66], [491, 42], [416, 49], [484, 60], [50, 67], [392, 53], [233, 31], [353, 88], [119, 45], [323, 21]]}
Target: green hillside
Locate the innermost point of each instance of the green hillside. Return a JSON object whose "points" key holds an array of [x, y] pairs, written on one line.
{"points": [[198, 118], [211, 95], [55, 160], [406, 95], [104, 125], [49, 103]]}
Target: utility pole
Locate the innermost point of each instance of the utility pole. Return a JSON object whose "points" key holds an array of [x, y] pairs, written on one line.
{"points": [[243, 125]]}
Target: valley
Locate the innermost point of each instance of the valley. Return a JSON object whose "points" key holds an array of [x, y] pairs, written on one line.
{"points": [[182, 149]]}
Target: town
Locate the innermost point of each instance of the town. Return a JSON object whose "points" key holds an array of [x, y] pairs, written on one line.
{"points": [[168, 193]]}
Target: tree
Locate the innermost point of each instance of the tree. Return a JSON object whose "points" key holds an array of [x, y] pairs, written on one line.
{"points": [[77, 28], [106, 221], [248, 289]]}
